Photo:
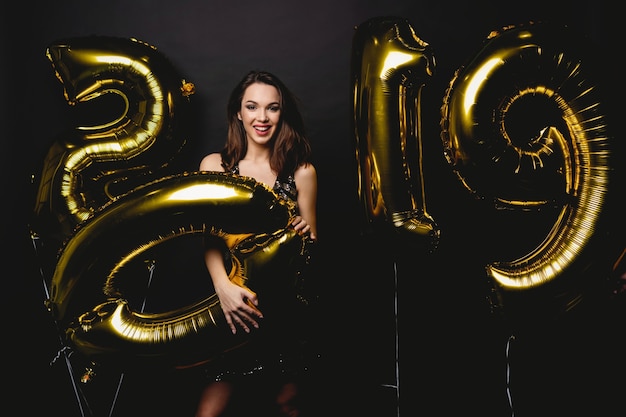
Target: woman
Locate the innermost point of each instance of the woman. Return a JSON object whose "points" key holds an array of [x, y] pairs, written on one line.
{"points": [[266, 141]]}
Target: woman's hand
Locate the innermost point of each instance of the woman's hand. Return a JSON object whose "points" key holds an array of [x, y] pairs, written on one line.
{"points": [[302, 227], [239, 305]]}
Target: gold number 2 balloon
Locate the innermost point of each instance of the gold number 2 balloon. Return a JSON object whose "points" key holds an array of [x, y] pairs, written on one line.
{"points": [[390, 65], [137, 134], [522, 126]]}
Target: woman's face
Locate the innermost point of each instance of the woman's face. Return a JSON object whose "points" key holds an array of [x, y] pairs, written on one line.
{"points": [[260, 112]]}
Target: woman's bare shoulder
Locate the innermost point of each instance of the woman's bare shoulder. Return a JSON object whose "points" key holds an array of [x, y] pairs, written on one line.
{"points": [[305, 171], [211, 162]]}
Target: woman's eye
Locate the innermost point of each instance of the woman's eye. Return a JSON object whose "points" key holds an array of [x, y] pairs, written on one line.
{"points": [[274, 108], [250, 107]]}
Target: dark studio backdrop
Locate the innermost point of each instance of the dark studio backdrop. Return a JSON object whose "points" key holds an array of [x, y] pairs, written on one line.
{"points": [[396, 319]]}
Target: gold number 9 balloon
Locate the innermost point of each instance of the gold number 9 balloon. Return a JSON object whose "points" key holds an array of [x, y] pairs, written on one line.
{"points": [[522, 126], [390, 65]]}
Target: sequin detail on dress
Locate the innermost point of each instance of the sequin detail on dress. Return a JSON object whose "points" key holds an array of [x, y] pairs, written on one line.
{"points": [[284, 187]]}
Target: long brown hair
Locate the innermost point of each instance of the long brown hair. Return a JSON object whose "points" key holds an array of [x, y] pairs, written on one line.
{"points": [[291, 147]]}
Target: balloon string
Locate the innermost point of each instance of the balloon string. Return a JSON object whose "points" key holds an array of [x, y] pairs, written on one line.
{"points": [[151, 266], [117, 393], [397, 353], [65, 350], [80, 398], [508, 374], [396, 341], [34, 238], [82, 402]]}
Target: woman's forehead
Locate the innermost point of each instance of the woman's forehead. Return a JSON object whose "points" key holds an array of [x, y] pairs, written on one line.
{"points": [[261, 93]]}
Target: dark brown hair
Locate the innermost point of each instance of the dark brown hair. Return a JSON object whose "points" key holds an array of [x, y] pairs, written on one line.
{"points": [[291, 147]]}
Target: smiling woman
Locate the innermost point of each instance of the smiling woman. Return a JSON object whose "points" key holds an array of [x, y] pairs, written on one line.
{"points": [[267, 142], [441, 295], [82, 202]]}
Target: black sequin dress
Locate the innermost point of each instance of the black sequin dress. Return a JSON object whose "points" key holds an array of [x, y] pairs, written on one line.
{"points": [[283, 346]]}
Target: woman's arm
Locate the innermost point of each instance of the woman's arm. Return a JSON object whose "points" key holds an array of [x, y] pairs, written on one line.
{"points": [[211, 162], [306, 182], [238, 303]]}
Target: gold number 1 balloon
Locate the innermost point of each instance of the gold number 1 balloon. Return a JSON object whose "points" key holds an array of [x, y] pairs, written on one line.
{"points": [[390, 65]]}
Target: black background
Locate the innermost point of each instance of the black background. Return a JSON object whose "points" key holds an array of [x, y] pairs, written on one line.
{"points": [[455, 354]]}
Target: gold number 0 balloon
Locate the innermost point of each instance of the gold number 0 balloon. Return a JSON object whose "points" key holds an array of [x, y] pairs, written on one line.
{"points": [[252, 220], [562, 163], [140, 136], [390, 65]]}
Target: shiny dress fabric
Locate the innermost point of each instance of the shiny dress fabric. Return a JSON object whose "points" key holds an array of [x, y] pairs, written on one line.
{"points": [[282, 347]]}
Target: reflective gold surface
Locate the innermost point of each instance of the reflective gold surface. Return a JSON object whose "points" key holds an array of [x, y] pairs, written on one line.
{"points": [[85, 298], [562, 166], [140, 102], [106, 198], [390, 66]]}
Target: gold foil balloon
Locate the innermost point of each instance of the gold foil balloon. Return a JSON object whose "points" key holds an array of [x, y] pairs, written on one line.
{"points": [[390, 66], [140, 102], [86, 299], [523, 127], [106, 194]]}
